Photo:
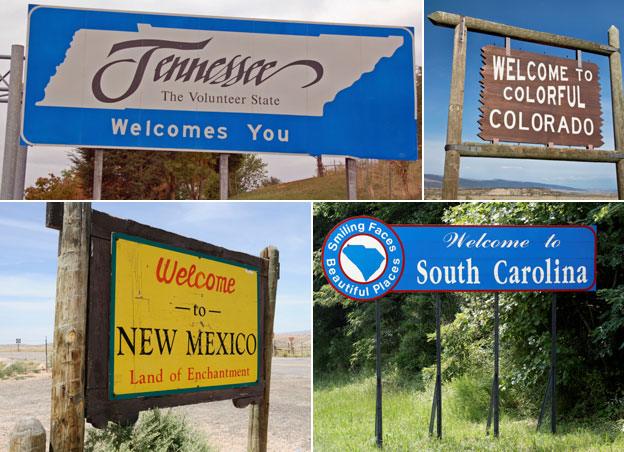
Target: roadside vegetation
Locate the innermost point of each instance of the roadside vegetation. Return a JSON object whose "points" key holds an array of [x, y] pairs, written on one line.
{"points": [[344, 420], [131, 174], [375, 180], [18, 369], [155, 430]]}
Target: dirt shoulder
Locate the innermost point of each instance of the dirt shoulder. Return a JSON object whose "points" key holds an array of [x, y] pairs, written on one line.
{"points": [[224, 426]]}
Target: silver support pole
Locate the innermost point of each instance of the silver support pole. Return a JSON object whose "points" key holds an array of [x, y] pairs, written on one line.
{"points": [[11, 138], [98, 165], [223, 176], [20, 172]]}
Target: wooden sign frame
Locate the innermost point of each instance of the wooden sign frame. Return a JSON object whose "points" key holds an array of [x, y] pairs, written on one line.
{"points": [[455, 148], [99, 407]]}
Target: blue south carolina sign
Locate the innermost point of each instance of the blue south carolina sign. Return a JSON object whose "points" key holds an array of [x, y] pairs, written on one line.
{"points": [[110, 79], [360, 254]]}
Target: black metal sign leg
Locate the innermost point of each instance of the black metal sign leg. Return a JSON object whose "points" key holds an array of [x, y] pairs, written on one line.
{"points": [[378, 411], [553, 359], [551, 392], [494, 397], [436, 408]]}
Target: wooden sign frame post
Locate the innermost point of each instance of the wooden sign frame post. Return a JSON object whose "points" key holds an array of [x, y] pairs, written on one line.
{"points": [[455, 148], [70, 328], [80, 370]]}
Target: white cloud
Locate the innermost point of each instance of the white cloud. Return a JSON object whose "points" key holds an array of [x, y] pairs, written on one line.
{"points": [[25, 307], [24, 286], [23, 224]]}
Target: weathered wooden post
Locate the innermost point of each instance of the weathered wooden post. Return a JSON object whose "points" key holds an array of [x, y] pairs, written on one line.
{"points": [[223, 176], [68, 366], [450, 183], [259, 413], [615, 66], [351, 170], [320, 169], [27, 435]]}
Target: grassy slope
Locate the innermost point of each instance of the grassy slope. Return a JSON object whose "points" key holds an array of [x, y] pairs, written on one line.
{"points": [[331, 186], [376, 180], [344, 420]]}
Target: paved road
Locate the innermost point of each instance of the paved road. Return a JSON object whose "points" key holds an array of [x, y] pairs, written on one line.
{"points": [[224, 425]]}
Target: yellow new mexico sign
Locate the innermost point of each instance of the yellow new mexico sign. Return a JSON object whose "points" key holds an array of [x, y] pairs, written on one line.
{"points": [[181, 321]]}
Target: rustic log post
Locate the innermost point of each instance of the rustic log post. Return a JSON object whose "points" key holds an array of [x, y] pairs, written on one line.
{"points": [[503, 151], [615, 66], [451, 20], [68, 366], [351, 170], [27, 435], [259, 413], [450, 183], [224, 176]]}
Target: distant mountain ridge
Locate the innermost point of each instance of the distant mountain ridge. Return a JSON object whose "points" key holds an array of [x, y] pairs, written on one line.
{"points": [[435, 181]]}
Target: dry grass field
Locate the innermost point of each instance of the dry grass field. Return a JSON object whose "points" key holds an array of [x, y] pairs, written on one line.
{"points": [[376, 180], [529, 194], [295, 344]]}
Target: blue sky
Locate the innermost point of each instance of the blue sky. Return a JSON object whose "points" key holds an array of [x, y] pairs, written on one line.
{"points": [[28, 258], [588, 20]]}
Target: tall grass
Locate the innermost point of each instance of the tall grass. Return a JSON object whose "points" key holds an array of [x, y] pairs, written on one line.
{"points": [[344, 415]]}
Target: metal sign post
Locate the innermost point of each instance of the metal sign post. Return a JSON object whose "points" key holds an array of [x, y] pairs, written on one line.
{"points": [[98, 166], [494, 398], [378, 408], [551, 387], [12, 155], [223, 176], [436, 408]]}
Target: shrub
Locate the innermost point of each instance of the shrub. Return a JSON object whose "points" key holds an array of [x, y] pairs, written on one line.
{"points": [[155, 431], [18, 368], [471, 396]]}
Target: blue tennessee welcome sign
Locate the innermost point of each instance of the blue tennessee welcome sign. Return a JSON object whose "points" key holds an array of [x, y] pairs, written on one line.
{"points": [[108, 79], [358, 260]]}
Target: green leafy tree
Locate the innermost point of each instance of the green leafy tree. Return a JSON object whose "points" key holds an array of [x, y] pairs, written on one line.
{"points": [[134, 174], [251, 174]]}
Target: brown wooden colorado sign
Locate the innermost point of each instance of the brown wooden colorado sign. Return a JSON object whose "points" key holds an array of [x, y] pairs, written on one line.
{"points": [[533, 98]]}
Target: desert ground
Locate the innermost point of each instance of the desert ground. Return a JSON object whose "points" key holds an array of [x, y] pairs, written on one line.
{"points": [[224, 426]]}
